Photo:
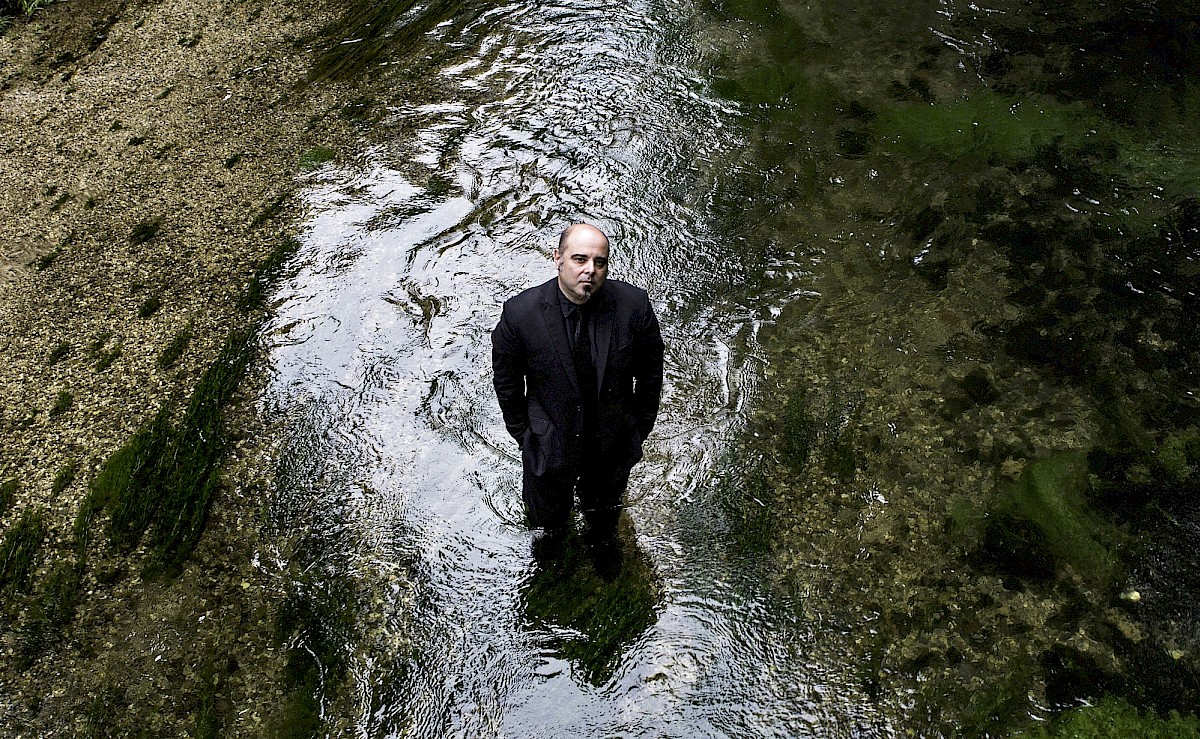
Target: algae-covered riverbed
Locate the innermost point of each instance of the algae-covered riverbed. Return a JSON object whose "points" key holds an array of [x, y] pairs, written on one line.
{"points": [[928, 454]]}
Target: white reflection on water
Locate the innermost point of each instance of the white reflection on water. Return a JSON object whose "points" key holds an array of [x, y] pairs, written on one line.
{"points": [[395, 455]]}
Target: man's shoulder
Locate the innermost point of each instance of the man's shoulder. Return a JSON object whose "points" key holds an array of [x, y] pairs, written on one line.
{"points": [[529, 298], [625, 293]]}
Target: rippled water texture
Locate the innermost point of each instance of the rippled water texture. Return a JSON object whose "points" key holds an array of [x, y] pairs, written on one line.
{"points": [[982, 242], [399, 511]]}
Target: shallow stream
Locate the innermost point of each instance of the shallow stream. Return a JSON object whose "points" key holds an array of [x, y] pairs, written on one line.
{"points": [[743, 162]]}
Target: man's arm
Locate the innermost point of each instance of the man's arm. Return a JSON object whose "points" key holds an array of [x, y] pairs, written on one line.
{"points": [[508, 376], [647, 369]]}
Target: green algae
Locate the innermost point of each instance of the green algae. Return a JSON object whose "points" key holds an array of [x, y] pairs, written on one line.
{"points": [[150, 305], [368, 31], [19, 552], [64, 477], [986, 126], [314, 623], [146, 230], [44, 262], [8, 494], [270, 269], [163, 479], [1112, 718], [1178, 456], [992, 129], [209, 714], [107, 357], [299, 713], [161, 482], [1085, 223], [176, 347], [1042, 519], [50, 611], [62, 403], [57, 354], [316, 156]]}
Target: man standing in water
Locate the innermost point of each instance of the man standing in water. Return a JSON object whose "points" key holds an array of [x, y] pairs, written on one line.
{"points": [[578, 364]]}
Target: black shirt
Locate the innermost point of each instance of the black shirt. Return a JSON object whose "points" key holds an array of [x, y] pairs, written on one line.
{"points": [[568, 312]]}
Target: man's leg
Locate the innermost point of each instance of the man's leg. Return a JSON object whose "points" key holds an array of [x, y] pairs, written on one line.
{"points": [[548, 502], [600, 500]]}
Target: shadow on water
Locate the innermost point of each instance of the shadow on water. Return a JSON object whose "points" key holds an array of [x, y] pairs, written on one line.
{"points": [[589, 601]]}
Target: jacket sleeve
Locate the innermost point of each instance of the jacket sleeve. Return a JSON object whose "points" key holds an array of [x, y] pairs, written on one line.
{"points": [[647, 369], [508, 376]]}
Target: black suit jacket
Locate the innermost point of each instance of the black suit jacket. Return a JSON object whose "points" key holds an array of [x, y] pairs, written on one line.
{"points": [[534, 377]]}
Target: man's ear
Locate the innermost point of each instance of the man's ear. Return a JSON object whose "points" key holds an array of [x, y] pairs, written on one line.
{"points": [[554, 255]]}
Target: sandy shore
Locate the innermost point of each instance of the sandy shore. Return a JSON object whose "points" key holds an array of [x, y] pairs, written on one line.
{"points": [[149, 162]]}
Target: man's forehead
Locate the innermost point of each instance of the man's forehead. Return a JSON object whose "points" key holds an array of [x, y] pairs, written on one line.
{"points": [[599, 248]]}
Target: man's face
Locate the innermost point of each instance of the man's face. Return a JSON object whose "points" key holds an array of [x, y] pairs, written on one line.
{"points": [[582, 265]]}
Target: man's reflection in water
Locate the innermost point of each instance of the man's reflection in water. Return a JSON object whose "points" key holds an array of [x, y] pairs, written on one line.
{"points": [[594, 592]]}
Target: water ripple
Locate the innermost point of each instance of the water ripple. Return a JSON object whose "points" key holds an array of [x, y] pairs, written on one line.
{"points": [[395, 454]]}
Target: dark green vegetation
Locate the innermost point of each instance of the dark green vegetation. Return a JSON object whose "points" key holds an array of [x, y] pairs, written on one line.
{"points": [[268, 271], [1116, 719], [1039, 522], [1048, 222], [64, 477], [45, 261], [155, 491], [175, 349], [62, 403], [314, 623], [161, 483], [58, 353], [379, 28], [102, 354], [163, 479], [12, 8], [317, 156], [8, 494], [50, 610], [150, 305], [19, 552]]}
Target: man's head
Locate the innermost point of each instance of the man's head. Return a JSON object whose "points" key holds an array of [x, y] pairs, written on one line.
{"points": [[582, 262]]}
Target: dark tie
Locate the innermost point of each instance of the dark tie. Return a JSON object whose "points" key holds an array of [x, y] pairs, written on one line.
{"points": [[585, 369]]}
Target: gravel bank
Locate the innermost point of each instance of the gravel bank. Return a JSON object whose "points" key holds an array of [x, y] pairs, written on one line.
{"points": [[150, 153]]}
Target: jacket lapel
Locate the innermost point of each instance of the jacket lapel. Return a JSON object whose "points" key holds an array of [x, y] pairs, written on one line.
{"points": [[557, 330]]}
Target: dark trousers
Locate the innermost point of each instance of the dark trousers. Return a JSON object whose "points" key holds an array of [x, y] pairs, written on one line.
{"points": [[548, 499]]}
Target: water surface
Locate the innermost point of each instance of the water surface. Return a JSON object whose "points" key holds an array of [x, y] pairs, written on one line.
{"points": [[901, 256], [399, 510]]}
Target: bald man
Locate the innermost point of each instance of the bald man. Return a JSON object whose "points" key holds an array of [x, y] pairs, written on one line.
{"points": [[578, 364]]}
